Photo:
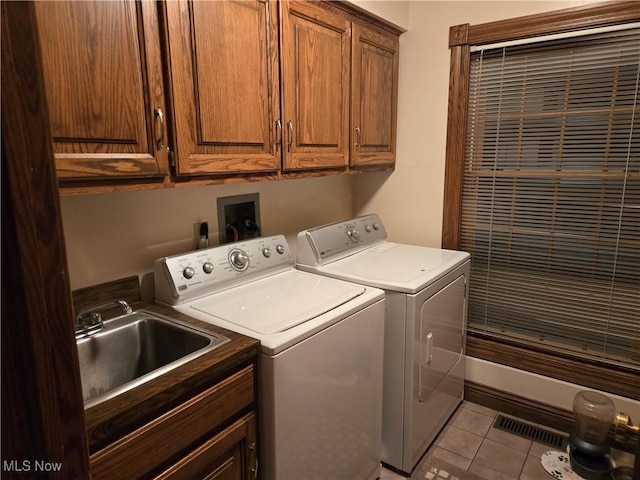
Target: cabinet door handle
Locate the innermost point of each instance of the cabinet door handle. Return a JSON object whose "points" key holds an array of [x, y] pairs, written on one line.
{"points": [[159, 118], [278, 133], [290, 139], [255, 455], [357, 137]]}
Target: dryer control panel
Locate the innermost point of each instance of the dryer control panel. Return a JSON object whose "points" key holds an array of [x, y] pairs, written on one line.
{"points": [[334, 241], [187, 276]]}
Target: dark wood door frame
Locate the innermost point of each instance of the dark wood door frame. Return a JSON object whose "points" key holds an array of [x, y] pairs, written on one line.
{"points": [[42, 408]]}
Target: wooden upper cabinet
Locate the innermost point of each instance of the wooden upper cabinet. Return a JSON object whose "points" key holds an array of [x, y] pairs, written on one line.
{"points": [[374, 97], [103, 80], [223, 61], [316, 63]]}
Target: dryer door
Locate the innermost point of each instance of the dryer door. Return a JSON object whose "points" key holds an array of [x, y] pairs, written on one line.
{"points": [[440, 338]]}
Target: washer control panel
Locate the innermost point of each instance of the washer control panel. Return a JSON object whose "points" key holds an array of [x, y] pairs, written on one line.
{"points": [[334, 241], [183, 277]]}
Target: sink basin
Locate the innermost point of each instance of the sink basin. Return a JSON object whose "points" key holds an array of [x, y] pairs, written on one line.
{"points": [[133, 349]]}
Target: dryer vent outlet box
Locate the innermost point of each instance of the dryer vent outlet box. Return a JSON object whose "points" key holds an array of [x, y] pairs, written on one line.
{"points": [[239, 217]]}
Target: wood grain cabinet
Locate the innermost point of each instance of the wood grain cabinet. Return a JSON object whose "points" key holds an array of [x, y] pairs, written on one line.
{"points": [[316, 64], [253, 88], [230, 455], [210, 436], [223, 62], [374, 97], [104, 85]]}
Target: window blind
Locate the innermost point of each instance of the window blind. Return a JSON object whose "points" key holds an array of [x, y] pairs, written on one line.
{"points": [[551, 195]]}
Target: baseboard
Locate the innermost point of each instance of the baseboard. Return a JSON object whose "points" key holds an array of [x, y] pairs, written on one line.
{"points": [[518, 406], [529, 410]]}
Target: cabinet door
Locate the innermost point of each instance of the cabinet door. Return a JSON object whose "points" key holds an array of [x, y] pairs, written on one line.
{"points": [[103, 78], [230, 455], [225, 87], [374, 97], [315, 71]]}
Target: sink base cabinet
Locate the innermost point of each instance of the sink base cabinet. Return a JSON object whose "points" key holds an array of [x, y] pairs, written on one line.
{"points": [[212, 435], [230, 455]]}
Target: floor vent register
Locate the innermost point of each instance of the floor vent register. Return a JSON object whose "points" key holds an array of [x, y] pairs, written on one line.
{"points": [[530, 432]]}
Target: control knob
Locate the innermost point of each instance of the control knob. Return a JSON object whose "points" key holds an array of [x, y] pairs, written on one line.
{"points": [[376, 226], [188, 273], [239, 260], [367, 227], [353, 233], [280, 249], [266, 251], [207, 267]]}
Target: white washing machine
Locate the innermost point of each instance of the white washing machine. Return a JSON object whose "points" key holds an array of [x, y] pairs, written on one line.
{"points": [[320, 370], [426, 308]]}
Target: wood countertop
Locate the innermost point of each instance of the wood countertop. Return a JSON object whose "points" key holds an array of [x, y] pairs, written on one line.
{"points": [[112, 419]]}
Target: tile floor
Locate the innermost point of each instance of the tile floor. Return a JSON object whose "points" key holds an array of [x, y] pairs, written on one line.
{"points": [[469, 442]]}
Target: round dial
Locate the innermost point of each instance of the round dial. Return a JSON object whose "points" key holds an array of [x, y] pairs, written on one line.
{"points": [[367, 227], [207, 267], [266, 251], [280, 249], [188, 272], [239, 260], [376, 226], [353, 233]]}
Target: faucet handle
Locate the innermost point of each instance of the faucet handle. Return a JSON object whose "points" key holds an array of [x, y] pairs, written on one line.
{"points": [[89, 321], [104, 307]]}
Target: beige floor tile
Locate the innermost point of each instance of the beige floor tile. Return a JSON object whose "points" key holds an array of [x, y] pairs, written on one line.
{"points": [[622, 459], [459, 441], [386, 474], [450, 457], [537, 449], [509, 439], [472, 421], [533, 470], [489, 412], [488, 473], [501, 458]]}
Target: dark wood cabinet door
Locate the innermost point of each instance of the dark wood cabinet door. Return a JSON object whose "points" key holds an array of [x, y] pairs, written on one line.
{"points": [[315, 71], [225, 88], [230, 455], [374, 97], [103, 78]]}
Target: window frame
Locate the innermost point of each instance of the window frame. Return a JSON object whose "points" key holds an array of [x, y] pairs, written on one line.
{"points": [[590, 373]]}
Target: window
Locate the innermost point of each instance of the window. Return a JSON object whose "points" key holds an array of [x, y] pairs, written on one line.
{"points": [[551, 194], [543, 188]]}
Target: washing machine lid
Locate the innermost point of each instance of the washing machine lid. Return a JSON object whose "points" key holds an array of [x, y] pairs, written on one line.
{"points": [[279, 302], [393, 266]]}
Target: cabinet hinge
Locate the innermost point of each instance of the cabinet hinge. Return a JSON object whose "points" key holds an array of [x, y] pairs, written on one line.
{"points": [[172, 160]]}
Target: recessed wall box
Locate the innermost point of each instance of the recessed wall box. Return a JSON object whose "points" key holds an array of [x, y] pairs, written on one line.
{"points": [[239, 217]]}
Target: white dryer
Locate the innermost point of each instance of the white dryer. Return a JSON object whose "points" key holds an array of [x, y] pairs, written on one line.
{"points": [[426, 310], [320, 370]]}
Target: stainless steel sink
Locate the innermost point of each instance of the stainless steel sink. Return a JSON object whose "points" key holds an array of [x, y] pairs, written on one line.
{"points": [[133, 349]]}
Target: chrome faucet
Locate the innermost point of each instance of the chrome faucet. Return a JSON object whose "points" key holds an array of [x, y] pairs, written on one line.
{"points": [[89, 321]]}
